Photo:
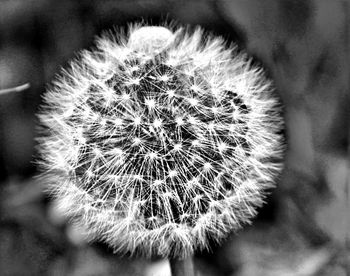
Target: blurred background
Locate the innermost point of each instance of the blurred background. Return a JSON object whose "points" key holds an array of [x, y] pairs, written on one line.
{"points": [[303, 230]]}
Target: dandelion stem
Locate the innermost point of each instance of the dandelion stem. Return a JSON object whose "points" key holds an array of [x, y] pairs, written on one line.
{"points": [[182, 267]]}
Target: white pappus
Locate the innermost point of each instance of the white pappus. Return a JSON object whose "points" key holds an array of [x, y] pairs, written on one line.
{"points": [[160, 139]]}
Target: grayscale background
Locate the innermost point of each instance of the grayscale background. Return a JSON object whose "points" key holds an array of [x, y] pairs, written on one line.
{"points": [[304, 45]]}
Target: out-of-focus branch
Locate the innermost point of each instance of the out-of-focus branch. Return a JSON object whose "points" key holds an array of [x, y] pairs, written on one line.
{"points": [[15, 89]]}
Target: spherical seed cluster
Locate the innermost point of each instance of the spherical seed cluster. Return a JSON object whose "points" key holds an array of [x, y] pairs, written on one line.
{"points": [[154, 150]]}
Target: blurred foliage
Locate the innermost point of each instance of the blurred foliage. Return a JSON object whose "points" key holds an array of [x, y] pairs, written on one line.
{"points": [[303, 44]]}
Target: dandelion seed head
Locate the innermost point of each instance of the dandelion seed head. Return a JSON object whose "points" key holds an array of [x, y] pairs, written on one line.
{"points": [[157, 123], [171, 93], [193, 101], [160, 140], [172, 173], [151, 103], [164, 78], [137, 120], [152, 155], [179, 121], [177, 147], [222, 146], [126, 96]]}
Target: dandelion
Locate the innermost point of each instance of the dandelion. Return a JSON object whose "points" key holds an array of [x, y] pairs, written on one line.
{"points": [[159, 140]]}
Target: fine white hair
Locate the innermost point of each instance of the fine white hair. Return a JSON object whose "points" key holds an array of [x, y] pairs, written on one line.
{"points": [[160, 139]]}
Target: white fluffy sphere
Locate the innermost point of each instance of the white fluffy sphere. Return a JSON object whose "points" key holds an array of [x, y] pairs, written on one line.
{"points": [[156, 142]]}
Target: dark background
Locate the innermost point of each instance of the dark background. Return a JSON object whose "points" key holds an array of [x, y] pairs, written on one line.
{"points": [[304, 46]]}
